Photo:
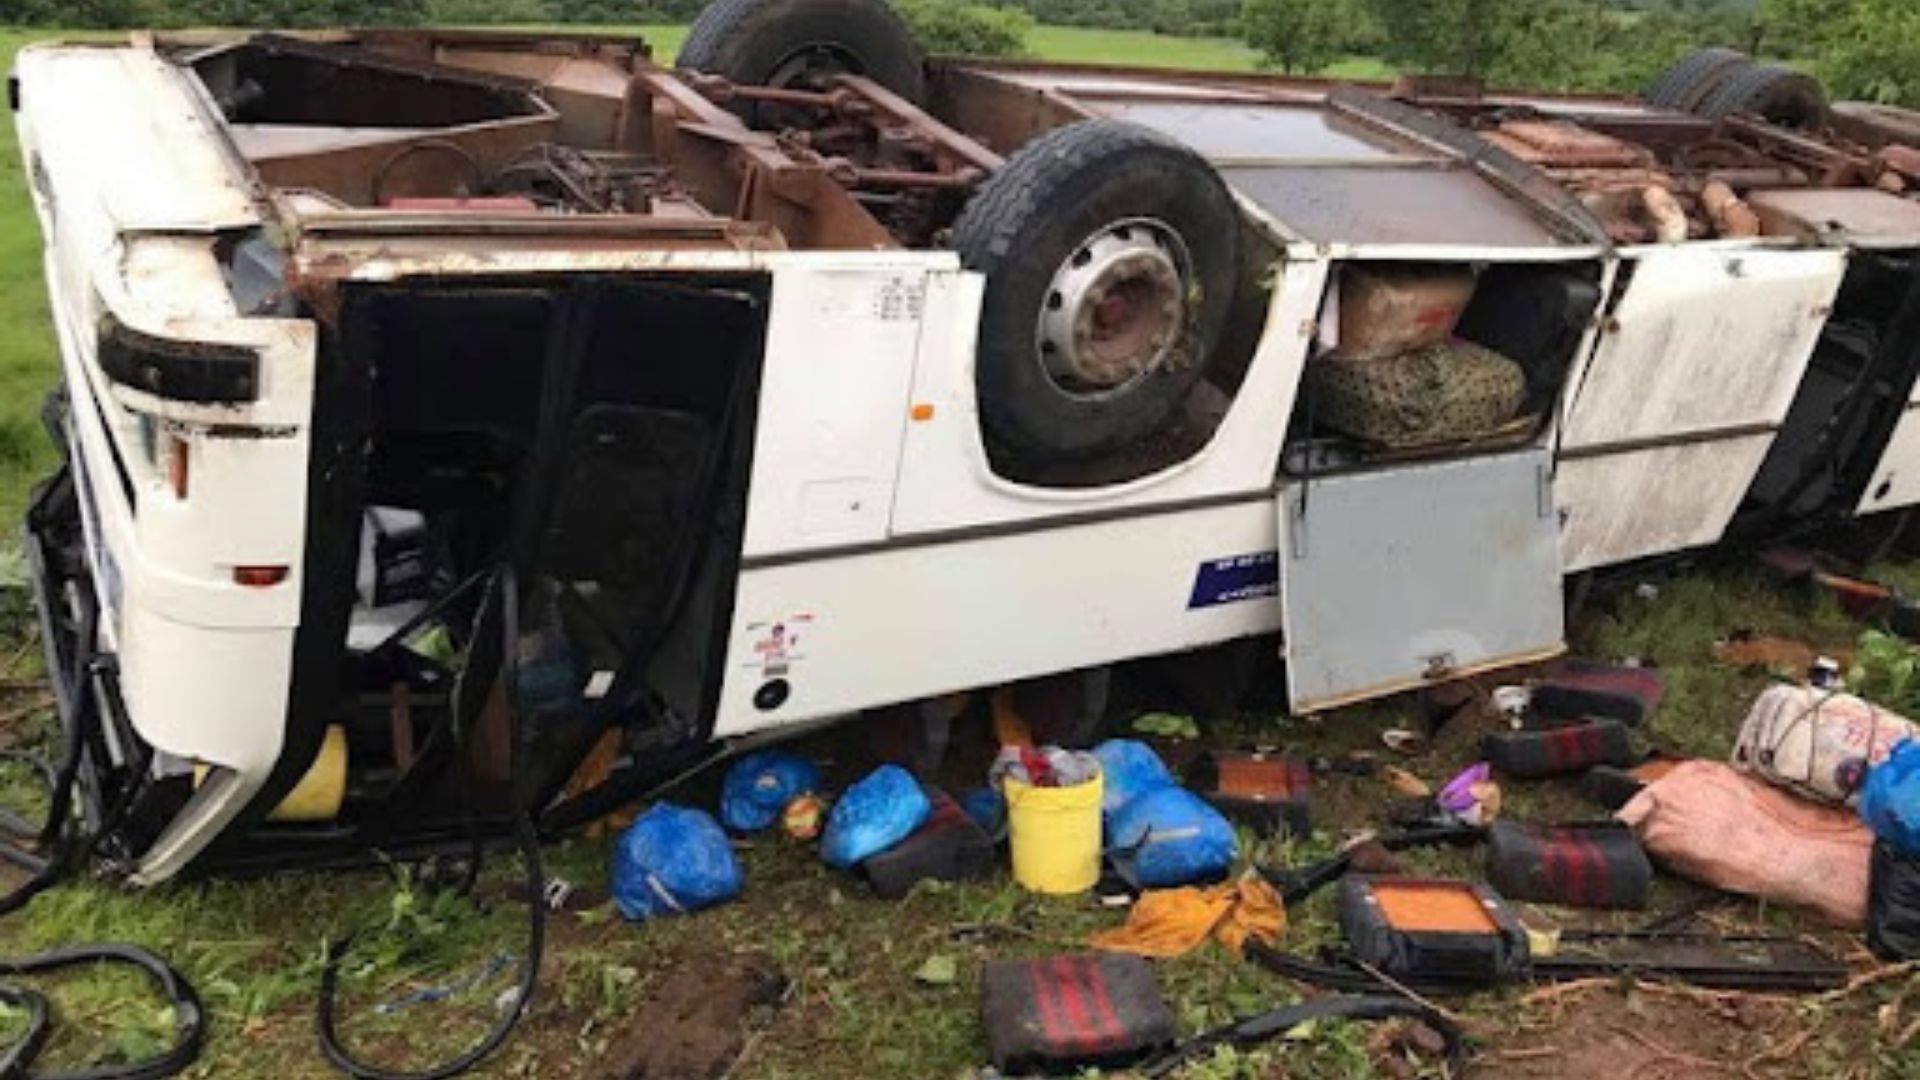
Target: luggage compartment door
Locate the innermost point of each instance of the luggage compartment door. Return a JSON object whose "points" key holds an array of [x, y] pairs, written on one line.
{"points": [[1692, 379], [1394, 579]]}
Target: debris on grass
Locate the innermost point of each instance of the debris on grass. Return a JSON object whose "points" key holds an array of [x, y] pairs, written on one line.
{"points": [[938, 970]]}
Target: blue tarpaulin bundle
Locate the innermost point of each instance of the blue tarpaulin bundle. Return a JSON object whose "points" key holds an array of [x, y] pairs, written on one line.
{"points": [[1890, 802], [673, 861], [1131, 769], [873, 816], [1172, 837], [759, 787]]}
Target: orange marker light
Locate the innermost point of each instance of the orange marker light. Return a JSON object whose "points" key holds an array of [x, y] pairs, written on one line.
{"points": [[922, 413]]}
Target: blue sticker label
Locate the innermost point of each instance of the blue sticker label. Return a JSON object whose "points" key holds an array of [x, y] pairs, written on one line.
{"points": [[1237, 580]]}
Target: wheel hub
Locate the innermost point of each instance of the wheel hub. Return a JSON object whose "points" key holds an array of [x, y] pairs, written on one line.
{"points": [[1116, 309], [812, 67]]}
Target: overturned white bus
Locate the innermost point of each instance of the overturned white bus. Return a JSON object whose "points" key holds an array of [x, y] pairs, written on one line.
{"points": [[437, 400]]}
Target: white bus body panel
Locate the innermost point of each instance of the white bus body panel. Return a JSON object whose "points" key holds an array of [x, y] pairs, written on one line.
{"points": [[1693, 378], [1896, 479], [901, 623]]}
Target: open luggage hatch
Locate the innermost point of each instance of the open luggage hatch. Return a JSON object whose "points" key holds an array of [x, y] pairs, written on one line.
{"points": [[1393, 579]]}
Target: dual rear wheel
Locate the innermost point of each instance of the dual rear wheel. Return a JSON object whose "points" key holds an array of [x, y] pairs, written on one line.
{"points": [[1718, 83]]}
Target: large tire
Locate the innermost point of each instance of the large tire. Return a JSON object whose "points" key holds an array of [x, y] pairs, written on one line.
{"points": [[1688, 82], [1777, 94], [1053, 203], [789, 43]]}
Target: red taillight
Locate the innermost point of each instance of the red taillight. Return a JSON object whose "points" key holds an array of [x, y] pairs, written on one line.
{"points": [[259, 577]]}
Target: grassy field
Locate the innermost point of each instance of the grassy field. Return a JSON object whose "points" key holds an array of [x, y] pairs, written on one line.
{"points": [[26, 340], [862, 999]]}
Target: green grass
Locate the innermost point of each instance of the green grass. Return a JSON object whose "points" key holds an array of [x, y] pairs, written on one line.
{"points": [[27, 356], [1137, 48]]}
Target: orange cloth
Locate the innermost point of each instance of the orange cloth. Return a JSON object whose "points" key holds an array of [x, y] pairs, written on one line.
{"points": [[1174, 922]]}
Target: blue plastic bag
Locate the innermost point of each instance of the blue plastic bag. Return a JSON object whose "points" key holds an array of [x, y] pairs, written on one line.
{"points": [[873, 816], [759, 787], [671, 862], [1172, 837], [1890, 802], [1131, 769]]}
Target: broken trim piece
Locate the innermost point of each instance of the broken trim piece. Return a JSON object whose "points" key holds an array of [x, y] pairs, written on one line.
{"points": [[196, 372]]}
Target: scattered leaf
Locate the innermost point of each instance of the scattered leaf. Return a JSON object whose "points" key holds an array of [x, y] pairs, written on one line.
{"points": [[938, 970]]}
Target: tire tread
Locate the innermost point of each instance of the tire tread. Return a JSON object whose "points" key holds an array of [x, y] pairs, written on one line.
{"points": [[1689, 80], [1748, 90], [725, 28]]}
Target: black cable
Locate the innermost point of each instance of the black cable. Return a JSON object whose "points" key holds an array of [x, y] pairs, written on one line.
{"points": [[1267, 1027], [68, 849], [1296, 885], [504, 590], [60, 848], [189, 1019], [1346, 980], [13, 1063]]}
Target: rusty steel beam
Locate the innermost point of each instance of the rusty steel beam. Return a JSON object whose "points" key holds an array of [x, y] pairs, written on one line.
{"points": [[953, 145], [850, 175]]}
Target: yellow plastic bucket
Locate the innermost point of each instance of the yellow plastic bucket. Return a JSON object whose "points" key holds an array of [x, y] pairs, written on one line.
{"points": [[1055, 833]]}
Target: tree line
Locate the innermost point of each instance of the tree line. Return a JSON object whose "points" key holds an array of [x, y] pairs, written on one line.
{"points": [[1862, 49]]}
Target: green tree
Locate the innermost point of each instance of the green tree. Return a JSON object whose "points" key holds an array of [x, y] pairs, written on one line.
{"points": [[1299, 37], [1554, 44], [1863, 49], [1449, 37], [956, 29]]}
